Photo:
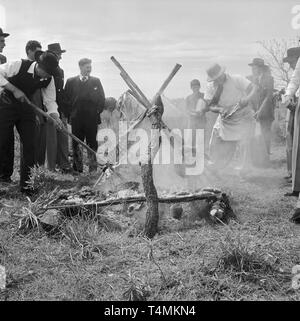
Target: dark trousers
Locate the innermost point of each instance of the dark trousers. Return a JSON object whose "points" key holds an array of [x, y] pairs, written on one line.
{"points": [[40, 145], [289, 141], [40, 141], [266, 130], [23, 118], [84, 126], [7, 167], [57, 146]]}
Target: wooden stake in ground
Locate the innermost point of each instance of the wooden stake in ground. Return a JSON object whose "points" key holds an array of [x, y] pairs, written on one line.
{"points": [[152, 217]]}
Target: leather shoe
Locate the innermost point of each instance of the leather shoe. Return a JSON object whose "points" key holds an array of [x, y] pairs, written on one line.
{"points": [[292, 194], [296, 216]]}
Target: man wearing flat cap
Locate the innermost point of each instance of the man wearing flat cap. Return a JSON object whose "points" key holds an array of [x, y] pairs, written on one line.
{"points": [[19, 80], [229, 96], [292, 57], [57, 142], [263, 79]]}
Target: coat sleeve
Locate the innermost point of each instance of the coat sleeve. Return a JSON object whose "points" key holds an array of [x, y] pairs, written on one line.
{"points": [[267, 105], [67, 98], [295, 81], [101, 97]]}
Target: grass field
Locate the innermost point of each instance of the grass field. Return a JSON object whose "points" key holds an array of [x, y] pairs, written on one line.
{"points": [[249, 260]]}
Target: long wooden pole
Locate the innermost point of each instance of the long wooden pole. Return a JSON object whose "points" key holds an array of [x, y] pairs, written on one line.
{"points": [[140, 199], [138, 90], [140, 97], [65, 131]]}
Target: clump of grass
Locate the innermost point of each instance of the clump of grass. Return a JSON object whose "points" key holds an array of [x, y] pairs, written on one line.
{"points": [[28, 219], [246, 259], [137, 290], [109, 224], [84, 237], [29, 214], [41, 178], [241, 255]]}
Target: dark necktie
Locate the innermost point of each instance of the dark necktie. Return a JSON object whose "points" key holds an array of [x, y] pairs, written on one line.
{"points": [[84, 79]]}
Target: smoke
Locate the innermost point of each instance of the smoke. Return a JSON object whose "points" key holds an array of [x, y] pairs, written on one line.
{"points": [[169, 173]]}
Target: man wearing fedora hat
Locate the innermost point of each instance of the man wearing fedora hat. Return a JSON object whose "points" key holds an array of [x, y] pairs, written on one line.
{"points": [[19, 80], [292, 57], [57, 142], [265, 110], [229, 96], [3, 35]]}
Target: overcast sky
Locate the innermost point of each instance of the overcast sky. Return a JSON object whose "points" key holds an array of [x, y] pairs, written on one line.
{"points": [[149, 37]]}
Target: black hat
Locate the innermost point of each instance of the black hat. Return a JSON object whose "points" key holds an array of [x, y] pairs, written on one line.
{"points": [[292, 53], [258, 62], [3, 34], [55, 47], [48, 61]]}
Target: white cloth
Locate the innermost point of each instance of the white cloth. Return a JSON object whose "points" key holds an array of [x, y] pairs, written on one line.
{"points": [[234, 89], [12, 68], [294, 82], [241, 122]]}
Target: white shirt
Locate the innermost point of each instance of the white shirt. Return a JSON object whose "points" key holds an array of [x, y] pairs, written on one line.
{"points": [[12, 68], [295, 81], [235, 88], [81, 77]]}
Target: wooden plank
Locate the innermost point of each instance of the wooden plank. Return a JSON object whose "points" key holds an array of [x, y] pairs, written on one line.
{"points": [[139, 199]]}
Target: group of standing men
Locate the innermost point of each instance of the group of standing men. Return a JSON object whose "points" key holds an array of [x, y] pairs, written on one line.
{"points": [[245, 104], [40, 80], [242, 105]]}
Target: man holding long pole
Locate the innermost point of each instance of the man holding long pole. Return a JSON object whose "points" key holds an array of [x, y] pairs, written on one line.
{"points": [[19, 80]]}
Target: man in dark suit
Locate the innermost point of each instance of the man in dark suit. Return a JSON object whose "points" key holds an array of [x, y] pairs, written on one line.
{"points": [[84, 96], [57, 141], [7, 166], [265, 112], [3, 35]]}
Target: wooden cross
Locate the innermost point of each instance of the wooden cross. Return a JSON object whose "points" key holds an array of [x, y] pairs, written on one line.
{"points": [[151, 196]]}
